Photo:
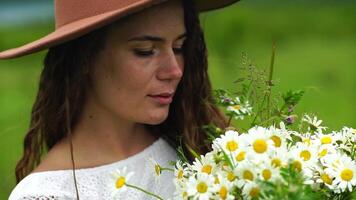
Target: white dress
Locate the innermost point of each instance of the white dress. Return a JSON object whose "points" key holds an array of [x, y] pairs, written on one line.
{"points": [[96, 183]]}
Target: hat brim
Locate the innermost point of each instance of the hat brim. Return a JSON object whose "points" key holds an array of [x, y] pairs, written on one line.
{"points": [[80, 27]]}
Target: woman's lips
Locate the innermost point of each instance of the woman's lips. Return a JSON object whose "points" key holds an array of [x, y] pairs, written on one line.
{"points": [[162, 99]]}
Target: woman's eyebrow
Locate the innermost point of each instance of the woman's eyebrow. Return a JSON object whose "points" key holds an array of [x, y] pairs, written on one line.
{"points": [[154, 38]]}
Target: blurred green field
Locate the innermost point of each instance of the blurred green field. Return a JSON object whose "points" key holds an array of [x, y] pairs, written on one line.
{"points": [[316, 51]]}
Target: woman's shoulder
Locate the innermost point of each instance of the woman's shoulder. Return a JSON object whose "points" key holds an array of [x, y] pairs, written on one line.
{"points": [[43, 185], [48, 182]]}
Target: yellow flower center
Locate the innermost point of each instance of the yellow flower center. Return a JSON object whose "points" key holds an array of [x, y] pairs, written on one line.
{"points": [[305, 154], [354, 131], [231, 145], [185, 194], [323, 153], [237, 107], [297, 165], [248, 175], [346, 174], [230, 176], [158, 170], [120, 182], [202, 187], [266, 173], [206, 169], [254, 192], [277, 141], [260, 146], [326, 178], [326, 140], [216, 181], [276, 162], [180, 174], [240, 156], [223, 192], [307, 141]]}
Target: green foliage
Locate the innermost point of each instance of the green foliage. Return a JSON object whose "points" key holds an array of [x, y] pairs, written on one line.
{"points": [[255, 86], [212, 132], [292, 189], [291, 98]]}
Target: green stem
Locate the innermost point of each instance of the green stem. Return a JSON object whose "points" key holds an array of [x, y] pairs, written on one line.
{"points": [[168, 169], [228, 123], [271, 68], [142, 190], [259, 110], [272, 63], [270, 119]]}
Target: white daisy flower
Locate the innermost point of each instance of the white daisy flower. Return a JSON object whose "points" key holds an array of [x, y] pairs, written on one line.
{"points": [[120, 178], [206, 164], [331, 160], [268, 172], [325, 139], [251, 190], [307, 139], [239, 156], [246, 172], [229, 142], [350, 131], [239, 109], [348, 138], [279, 158], [228, 174], [322, 177], [343, 169], [222, 188], [303, 158], [180, 192], [200, 187], [308, 154], [156, 169], [180, 170], [324, 150], [279, 137], [300, 166], [259, 143], [314, 123]]}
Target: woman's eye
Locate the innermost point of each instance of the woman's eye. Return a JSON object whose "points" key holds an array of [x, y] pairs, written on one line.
{"points": [[143, 53], [147, 53], [178, 50]]}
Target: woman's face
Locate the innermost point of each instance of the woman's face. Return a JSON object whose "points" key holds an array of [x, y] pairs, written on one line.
{"points": [[136, 75]]}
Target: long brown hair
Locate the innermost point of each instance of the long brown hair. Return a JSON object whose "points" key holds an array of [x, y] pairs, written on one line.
{"points": [[64, 80]]}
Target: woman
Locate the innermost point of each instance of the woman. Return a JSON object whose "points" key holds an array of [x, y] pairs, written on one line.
{"points": [[115, 96]]}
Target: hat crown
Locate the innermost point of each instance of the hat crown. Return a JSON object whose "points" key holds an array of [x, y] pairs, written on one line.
{"points": [[74, 18], [67, 11]]}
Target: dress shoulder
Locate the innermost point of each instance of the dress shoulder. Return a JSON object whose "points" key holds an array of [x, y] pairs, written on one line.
{"points": [[96, 183], [43, 186]]}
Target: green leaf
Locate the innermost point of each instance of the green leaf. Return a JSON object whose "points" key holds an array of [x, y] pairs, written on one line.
{"points": [[194, 153]]}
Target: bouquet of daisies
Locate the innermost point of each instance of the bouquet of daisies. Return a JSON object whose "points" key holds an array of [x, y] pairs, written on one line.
{"points": [[272, 163]]}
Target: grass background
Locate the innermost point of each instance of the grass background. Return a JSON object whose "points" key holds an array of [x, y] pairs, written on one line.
{"points": [[316, 51]]}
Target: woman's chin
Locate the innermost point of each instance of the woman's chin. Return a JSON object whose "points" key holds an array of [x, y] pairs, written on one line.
{"points": [[157, 117]]}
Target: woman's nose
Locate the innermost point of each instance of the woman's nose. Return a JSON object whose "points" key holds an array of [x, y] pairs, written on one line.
{"points": [[172, 66]]}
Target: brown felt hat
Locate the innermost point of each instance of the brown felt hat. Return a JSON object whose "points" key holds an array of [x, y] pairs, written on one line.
{"points": [[74, 18]]}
